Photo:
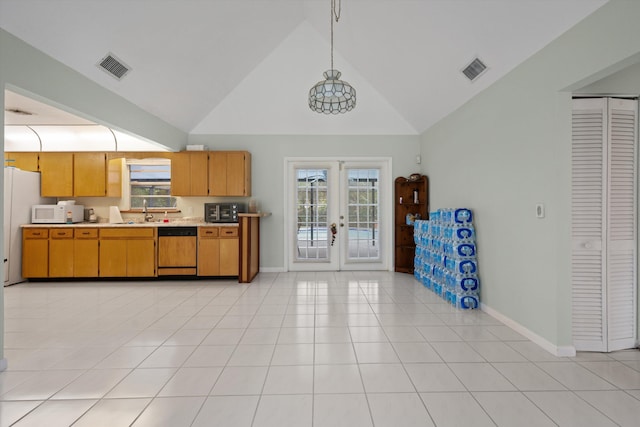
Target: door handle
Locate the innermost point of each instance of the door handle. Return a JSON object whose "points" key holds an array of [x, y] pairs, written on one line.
{"points": [[334, 231]]}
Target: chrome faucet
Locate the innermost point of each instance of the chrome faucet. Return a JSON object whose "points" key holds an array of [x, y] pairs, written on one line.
{"points": [[147, 216]]}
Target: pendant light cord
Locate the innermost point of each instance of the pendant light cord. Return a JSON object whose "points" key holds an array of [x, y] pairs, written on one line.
{"points": [[335, 14]]}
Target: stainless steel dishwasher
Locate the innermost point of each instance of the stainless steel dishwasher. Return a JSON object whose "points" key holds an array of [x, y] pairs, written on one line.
{"points": [[177, 251]]}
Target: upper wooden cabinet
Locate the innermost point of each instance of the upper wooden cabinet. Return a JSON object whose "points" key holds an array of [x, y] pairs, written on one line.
{"points": [[89, 174], [229, 173], [27, 161], [99, 174], [189, 173], [56, 171], [65, 174], [211, 173]]}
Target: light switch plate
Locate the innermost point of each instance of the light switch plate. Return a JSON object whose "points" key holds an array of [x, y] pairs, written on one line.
{"points": [[539, 210]]}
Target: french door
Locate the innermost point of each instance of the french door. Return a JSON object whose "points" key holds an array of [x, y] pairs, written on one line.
{"points": [[337, 214]]}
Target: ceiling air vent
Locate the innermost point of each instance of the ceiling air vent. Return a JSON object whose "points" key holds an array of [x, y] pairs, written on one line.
{"points": [[474, 69], [113, 66], [18, 111]]}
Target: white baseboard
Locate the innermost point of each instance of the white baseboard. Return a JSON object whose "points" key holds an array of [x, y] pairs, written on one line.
{"points": [[272, 269], [3, 365], [560, 351]]}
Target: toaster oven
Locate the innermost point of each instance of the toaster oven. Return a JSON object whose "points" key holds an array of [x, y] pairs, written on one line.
{"points": [[222, 212]]}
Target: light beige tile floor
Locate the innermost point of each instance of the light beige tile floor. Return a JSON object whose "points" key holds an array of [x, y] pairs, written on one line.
{"points": [[308, 349]]}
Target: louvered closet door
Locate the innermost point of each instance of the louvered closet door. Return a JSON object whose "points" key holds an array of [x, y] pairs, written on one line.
{"points": [[588, 269], [603, 228], [621, 231]]}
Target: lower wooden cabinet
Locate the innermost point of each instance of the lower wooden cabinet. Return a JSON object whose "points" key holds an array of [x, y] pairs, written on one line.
{"points": [[141, 258], [208, 251], [229, 252], [61, 252], [218, 251], [35, 253], [127, 252], [113, 258], [85, 252]]}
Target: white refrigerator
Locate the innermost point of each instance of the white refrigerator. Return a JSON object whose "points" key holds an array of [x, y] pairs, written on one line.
{"points": [[21, 191]]}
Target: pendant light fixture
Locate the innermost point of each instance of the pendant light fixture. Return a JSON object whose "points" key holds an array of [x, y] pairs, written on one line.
{"points": [[332, 96]]}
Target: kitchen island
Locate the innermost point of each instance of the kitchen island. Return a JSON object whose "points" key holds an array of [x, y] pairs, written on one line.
{"points": [[105, 250]]}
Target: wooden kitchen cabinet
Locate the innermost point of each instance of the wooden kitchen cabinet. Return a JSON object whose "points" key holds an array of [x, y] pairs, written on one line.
{"points": [[218, 251], [113, 258], [26, 161], [208, 251], [90, 174], [61, 252], [141, 258], [127, 252], [35, 252], [229, 254], [65, 174], [189, 173], [85, 252], [56, 174], [229, 173]]}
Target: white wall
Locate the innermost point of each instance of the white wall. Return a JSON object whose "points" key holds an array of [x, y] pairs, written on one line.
{"points": [[508, 149]]}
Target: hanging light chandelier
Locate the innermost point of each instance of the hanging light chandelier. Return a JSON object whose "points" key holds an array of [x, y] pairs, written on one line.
{"points": [[332, 96]]}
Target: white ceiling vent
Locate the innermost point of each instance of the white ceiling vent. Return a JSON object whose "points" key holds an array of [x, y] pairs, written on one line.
{"points": [[475, 69], [114, 66]]}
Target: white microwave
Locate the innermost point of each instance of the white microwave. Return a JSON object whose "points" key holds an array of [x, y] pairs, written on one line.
{"points": [[56, 214]]}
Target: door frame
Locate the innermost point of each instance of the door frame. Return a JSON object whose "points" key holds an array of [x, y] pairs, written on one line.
{"points": [[385, 214]]}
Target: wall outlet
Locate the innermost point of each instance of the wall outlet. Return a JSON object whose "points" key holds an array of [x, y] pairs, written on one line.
{"points": [[418, 159], [539, 210]]}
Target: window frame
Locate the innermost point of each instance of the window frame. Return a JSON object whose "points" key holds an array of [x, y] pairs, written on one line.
{"points": [[126, 201]]}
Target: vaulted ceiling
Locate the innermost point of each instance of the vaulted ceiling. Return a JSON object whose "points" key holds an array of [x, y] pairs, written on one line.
{"points": [[246, 66]]}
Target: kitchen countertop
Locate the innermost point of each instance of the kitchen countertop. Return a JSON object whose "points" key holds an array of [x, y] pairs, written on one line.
{"points": [[132, 225], [195, 222]]}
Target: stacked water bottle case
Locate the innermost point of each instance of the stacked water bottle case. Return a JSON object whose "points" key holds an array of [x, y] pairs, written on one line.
{"points": [[445, 259]]}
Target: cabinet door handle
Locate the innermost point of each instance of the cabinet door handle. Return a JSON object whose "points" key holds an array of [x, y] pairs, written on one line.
{"points": [[36, 234]]}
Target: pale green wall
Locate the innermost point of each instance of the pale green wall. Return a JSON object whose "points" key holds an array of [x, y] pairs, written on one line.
{"points": [[508, 149], [624, 82], [268, 153], [28, 71]]}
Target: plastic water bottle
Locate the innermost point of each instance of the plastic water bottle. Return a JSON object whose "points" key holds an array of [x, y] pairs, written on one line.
{"points": [[467, 302], [463, 232], [462, 216], [463, 250], [462, 266], [465, 283]]}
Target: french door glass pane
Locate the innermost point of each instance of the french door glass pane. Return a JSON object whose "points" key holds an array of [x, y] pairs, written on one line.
{"points": [[312, 224], [363, 208]]}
